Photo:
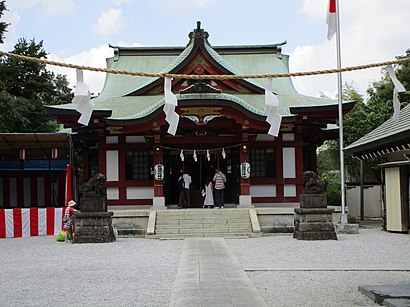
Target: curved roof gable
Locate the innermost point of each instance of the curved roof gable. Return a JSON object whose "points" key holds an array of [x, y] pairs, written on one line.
{"points": [[198, 45]]}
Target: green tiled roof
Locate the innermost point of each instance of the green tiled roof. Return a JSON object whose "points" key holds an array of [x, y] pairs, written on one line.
{"points": [[383, 134], [256, 60]]}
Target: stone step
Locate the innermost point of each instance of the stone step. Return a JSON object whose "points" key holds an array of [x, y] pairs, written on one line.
{"points": [[204, 212], [204, 226], [202, 230], [201, 221], [183, 236], [130, 232]]}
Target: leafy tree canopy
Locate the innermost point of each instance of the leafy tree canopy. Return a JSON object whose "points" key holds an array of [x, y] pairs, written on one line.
{"points": [[363, 118], [26, 87]]}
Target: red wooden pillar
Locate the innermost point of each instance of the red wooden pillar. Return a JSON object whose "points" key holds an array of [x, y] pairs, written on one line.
{"points": [[299, 162], [102, 164], [244, 157], [245, 199], [158, 184], [159, 198]]}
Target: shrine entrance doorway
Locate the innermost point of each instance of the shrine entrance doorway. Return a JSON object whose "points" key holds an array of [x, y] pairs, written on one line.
{"points": [[199, 171]]}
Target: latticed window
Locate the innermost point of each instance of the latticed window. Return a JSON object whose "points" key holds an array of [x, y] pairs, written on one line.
{"points": [[263, 163], [138, 165]]}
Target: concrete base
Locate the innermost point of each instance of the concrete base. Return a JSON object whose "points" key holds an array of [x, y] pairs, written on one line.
{"points": [[93, 227], [158, 203], [245, 201], [314, 235], [313, 221], [347, 228]]}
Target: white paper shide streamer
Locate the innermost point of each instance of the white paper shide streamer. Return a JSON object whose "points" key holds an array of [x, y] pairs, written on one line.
{"points": [[271, 109], [181, 155], [171, 103], [398, 88], [82, 99], [208, 156], [194, 156], [223, 153]]}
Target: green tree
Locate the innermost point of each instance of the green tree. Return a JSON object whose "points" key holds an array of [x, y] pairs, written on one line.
{"points": [[328, 155], [362, 119], [32, 86], [3, 25], [380, 104]]}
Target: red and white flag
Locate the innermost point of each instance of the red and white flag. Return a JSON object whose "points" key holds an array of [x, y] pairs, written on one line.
{"points": [[331, 19]]}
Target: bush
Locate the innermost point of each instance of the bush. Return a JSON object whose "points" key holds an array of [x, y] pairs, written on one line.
{"points": [[333, 188]]}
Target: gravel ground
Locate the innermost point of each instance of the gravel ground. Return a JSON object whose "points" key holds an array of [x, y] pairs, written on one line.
{"points": [[39, 271], [290, 272]]}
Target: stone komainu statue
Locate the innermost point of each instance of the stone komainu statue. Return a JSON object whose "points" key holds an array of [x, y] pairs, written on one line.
{"points": [[313, 184], [94, 187]]}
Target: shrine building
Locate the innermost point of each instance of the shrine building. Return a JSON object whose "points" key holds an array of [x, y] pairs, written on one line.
{"points": [[222, 124]]}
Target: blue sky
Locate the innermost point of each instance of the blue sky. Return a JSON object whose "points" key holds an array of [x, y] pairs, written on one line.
{"points": [[79, 31]]}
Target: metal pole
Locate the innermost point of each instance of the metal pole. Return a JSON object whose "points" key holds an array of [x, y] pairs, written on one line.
{"points": [[361, 192], [343, 218]]}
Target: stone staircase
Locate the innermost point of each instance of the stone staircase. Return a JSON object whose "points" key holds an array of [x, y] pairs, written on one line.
{"points": [[185, 223]]}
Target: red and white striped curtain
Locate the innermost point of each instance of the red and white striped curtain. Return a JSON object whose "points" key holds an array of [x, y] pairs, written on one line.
{"points": [[28, 222]]}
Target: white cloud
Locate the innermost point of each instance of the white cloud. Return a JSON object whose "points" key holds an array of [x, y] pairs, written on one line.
{"points": [[372, 31], [110, 22], [48, 7], [95, 57], [13, 18]]}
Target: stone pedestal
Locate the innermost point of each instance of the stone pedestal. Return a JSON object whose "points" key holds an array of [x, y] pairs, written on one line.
{"points": [[93, 204], [93, 227], [313, 220]]}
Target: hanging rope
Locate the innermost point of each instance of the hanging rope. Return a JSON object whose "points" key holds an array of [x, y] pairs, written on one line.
{"points": [[200, 150], [202, 77]]}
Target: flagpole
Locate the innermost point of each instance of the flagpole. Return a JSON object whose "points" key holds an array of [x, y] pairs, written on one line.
{"points": [[343, 218]]}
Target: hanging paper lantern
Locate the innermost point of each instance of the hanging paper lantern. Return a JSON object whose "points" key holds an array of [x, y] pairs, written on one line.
{"points": [[22, 154], [54, 153]]}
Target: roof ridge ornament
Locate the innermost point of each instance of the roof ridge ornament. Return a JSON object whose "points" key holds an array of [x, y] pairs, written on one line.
{"points": [[200, 87], [198, 35]]}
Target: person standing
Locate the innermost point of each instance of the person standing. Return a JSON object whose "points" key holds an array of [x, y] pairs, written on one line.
{"points": [[68, 220], [219, 179], [209, 197], [184, 194]]}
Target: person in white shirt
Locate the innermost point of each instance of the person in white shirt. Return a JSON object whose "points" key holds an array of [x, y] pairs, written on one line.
{"points": [[184, 181]]}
